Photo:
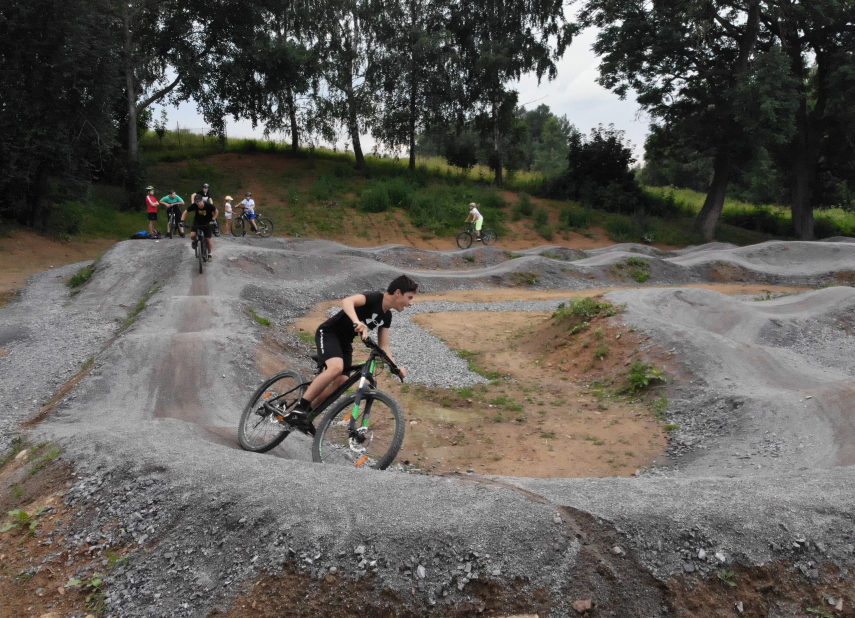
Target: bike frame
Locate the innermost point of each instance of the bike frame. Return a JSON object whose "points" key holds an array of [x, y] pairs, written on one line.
{"points": [[358, 373]]}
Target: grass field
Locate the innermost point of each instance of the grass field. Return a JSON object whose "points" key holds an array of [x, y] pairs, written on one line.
{"points": [[318, 194]]}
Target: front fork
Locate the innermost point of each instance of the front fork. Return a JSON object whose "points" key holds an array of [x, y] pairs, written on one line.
{"points": [[359, 433]]}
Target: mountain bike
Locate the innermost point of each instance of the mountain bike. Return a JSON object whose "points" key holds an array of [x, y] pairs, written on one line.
{"points": [[239, 225], [171, 225], [364, 429], [215, 228], [201, 249], [464, 239]]}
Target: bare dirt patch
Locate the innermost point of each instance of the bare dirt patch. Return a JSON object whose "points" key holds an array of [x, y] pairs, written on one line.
{"points": [[549, 412], [36, 565], [24, 253], [775, 589], [293, 593]]}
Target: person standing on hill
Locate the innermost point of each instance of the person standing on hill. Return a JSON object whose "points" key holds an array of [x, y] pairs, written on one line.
{"points": [[249, 210], [151, 204], [205, 192], [227, 208], [173, 203]]}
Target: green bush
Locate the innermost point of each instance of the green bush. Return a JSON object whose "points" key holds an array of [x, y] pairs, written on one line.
{"points": [[400, 192], [640, 375], [547, 231], [541, 217], [524, 205], [325, 187], [623, 229], [375, 199], [491, 200], [576, 218]]}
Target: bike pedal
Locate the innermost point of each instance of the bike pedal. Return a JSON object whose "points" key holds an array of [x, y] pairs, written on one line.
{"points": [[361, 461]]}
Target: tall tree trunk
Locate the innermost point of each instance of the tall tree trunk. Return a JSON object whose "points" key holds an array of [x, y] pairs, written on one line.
{"points": [[710, 213], [131, 95], [412, 127], [497, 140], [353, 129], [713, 204], [413, 88], [804, 156], [292, 115]]}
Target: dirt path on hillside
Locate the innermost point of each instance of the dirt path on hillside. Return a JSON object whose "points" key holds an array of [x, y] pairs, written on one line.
{"points": [[24, 253]]}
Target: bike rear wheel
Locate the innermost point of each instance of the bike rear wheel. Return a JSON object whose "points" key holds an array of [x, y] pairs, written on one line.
{"points": [[488, 237], [237, 227], [265, 226], [464, 240], [170, 226], [378, 442], [258, 430]]}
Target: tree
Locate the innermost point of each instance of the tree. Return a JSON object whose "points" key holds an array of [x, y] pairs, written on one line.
{"points": [[823, 29], [498, 41], [270, 74], [550, 157], [692, 62], [58, 83], [416, 89]]}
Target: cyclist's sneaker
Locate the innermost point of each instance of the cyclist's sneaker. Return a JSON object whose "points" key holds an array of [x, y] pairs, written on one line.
{"points": [[210, 256], [299, 421], [193, 243]]}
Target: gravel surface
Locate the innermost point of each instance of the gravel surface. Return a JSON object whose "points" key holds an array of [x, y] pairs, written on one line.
{"points": [[151, 432]]}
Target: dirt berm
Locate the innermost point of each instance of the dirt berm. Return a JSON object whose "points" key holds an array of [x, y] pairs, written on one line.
{"points": [[760, 468]]}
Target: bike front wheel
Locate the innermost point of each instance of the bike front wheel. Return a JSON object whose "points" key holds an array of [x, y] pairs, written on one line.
{"points": [[200, 251], [464, 240], [488, 237], [265, 226], [215, 228], [258, 430], [237, 227], [374, 441]]}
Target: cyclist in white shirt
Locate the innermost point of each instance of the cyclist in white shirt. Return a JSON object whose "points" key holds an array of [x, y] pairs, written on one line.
{"points": [[249, 209], [477, 218], [227, 208]]}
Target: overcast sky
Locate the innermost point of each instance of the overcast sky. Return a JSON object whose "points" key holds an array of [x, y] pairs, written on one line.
{"points": [[573, 93]]}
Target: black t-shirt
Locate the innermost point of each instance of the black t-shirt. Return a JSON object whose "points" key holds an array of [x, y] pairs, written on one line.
{"points": [[371, 314], [205, 196], [204, 213]]}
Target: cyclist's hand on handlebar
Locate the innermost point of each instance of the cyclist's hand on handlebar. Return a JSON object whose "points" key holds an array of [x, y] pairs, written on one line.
{"points": [[361, 330]]}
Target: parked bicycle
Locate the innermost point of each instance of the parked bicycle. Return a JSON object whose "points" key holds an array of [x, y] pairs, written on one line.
{"points": [[362, 429], [215, 228], [171, 225], [464, 239], [239, 225]]}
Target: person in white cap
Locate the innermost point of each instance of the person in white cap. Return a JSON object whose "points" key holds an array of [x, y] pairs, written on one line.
{"points": [[477, 218], [227, 208]]}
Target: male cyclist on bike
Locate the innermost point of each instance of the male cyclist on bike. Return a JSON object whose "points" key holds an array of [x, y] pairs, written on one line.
{"points": [[360, 313], [249, 210], [173, 205], [205, 214], [477, 218]]}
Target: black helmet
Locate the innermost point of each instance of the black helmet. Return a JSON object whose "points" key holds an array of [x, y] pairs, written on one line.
{"points": [[205, 186], [199, 198]]}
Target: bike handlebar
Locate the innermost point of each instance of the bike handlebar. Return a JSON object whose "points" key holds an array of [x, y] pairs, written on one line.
{"points": [[379, 351]]}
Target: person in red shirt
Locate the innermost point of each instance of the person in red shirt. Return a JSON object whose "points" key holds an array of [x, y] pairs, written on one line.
{"points": [[151, 203]]}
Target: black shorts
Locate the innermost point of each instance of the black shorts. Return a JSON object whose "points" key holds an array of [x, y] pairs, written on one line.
{"points": [[152, 216], [330, 346], [203, 230]]}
